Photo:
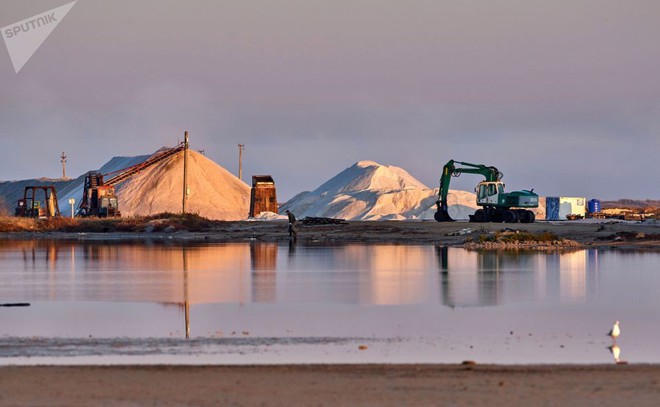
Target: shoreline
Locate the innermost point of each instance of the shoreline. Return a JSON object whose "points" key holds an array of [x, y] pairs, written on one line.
{"points": [[574, 234], [286, 385]]}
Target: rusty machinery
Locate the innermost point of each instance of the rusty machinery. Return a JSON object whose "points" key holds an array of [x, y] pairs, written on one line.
{"points": [[36, 205], [99, 197]]}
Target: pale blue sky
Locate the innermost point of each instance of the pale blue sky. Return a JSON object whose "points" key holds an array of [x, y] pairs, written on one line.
{"points": [[562, 96]]}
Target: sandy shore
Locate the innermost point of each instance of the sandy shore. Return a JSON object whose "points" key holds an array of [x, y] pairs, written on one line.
{"points": [[335, 385], [615, 234], [604, 234]]}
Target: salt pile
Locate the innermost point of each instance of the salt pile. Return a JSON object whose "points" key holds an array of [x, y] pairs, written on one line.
{"points": [[214, 192], [371, 191]]}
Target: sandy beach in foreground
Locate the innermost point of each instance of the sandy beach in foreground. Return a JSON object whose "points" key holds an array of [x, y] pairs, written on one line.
{"points": [[332, 385]]}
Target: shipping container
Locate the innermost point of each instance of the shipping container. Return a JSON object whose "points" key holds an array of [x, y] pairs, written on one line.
{"points": [[563, 207]]}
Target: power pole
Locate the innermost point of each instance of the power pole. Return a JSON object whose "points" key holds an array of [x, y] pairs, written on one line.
{"points": [[240, 161], [185, 171], [63, 161]]}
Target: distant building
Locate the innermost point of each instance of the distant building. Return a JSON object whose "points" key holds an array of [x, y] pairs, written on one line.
{"points": [[263, 197]]}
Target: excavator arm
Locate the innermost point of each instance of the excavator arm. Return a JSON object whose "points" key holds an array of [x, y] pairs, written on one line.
{"points": [[491, 174]]}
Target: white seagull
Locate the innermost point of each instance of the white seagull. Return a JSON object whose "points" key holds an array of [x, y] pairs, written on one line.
{"points": [[615, 331]]}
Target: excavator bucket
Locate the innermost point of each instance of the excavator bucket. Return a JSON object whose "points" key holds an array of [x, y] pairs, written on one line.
{"points": [[442, 214]]}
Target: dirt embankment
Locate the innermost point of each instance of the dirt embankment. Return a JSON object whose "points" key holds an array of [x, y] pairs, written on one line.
{"points": [[477, 235]]}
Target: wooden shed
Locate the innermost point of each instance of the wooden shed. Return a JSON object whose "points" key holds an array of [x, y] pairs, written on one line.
{"points": [[263, 197]]}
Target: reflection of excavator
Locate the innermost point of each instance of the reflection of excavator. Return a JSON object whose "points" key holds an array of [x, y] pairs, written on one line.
{"points": [[99, 197], [498, 206]]}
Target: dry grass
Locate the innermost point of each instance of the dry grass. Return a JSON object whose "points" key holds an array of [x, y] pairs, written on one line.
{"points": [[170, 222], [519, 237], [12, 224]]}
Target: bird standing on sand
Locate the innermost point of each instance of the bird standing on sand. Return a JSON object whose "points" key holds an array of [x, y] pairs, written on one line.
{"points": [[615, 331]]}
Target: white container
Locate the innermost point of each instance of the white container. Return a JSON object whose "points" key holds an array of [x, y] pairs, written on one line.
{"points": [[558, 208], [572, 206]]}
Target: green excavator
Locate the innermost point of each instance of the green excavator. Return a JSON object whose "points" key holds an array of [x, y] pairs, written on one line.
{"points": [[497, 205]]}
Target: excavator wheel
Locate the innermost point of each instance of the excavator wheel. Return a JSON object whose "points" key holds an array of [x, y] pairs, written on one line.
{"points": [[479, 216], [531, 216], [526, 216], [510, 217]]}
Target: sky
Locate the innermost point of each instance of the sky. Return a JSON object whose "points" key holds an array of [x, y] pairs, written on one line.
{"points": [[561, 96]]}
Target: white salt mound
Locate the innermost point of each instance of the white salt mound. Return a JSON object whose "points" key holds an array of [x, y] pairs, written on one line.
{"points": [[269, 216], [371, 191], [214, 192]]}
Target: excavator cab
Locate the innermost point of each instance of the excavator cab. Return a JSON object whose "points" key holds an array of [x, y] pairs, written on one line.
{"points": [[488, 193]]}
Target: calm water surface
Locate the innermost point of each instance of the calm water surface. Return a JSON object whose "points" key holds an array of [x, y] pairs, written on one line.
{"points": [[92, 302]]}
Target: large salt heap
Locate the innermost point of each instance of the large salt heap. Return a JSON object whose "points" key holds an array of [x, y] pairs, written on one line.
{"points": [[74, 189], [371, 191], [214, 192]]}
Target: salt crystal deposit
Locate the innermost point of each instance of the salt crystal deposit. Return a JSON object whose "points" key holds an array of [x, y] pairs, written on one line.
{"points": [[214, 192], [371, 191]]}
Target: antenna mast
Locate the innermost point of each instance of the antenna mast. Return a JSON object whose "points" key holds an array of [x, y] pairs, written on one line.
{"points": [[63, 161]]}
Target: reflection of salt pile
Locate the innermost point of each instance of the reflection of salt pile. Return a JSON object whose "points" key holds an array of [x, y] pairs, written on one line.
{"points": [[370, 191], [215, 193]]}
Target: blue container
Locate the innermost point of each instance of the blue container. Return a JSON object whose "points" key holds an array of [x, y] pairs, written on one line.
{"points": [[594, 206], [551, 208]]}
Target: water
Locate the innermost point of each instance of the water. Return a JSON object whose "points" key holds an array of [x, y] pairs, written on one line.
{"points": [[245, 303]]}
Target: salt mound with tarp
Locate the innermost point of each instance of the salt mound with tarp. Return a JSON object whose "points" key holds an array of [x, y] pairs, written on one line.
{"points": [[371, 191], [214, 192]]}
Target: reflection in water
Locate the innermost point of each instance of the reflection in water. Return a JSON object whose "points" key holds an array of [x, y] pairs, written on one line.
{"points": [[250, 273], [484, 278], [615, 350], [463, 284], [263, 257], [347, 291], [186, 291]]}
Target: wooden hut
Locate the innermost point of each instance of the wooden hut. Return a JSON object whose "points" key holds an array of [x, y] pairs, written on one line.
{"points": [[263, 197]]}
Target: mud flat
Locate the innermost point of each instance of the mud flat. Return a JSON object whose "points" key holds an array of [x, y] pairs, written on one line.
{"points": [[339, 385], [614, 234]]}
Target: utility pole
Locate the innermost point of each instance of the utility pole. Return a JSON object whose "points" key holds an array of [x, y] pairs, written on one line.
{"points": [[240, 161], [185, 171], [63, 161]]}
